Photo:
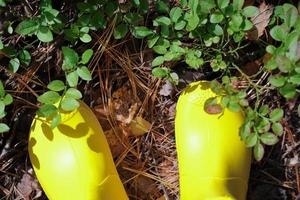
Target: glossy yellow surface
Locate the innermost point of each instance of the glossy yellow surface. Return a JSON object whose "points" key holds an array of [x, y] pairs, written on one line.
{"points": [[73, 161], [214, 163]]}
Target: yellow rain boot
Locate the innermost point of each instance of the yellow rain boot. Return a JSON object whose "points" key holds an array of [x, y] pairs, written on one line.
{"points": [[73, 161], [214, 163]]}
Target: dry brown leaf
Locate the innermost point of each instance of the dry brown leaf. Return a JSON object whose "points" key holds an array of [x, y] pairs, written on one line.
{"points": [[116, 147], [146, 185], [162, 198], [167, 89], [124, 104], [260, 21], [27, 186], [139, 126], [252, 68]]}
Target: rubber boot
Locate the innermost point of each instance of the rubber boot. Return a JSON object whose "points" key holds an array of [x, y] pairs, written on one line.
{"points": [[214, 163], [73, 161]]}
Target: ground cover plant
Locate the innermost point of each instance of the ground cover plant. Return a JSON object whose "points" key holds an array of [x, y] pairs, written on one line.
{"points": [[53, 53]]}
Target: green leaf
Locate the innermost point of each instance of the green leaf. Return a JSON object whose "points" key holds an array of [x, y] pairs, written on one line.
{"points": [[216, 17], [160, 72], [238, 4], [69, 104], [3, 128], [73, 93], [223, 3], [264, 110], [174, 78], [250, 11], [8, 99], [85, 29], [2, 3], [161, 20], [288, 91], [27, 27], [276, 115], [141, 32], [25, 57], [193, 5], [235, 22], [263, 125], [247, 25], [2, 91], [2, 106], [277, 128], [44, 34], [120, 31], [284, 64], [162, 7], [152, 40], [84, 73], [56, 85], [86, 38], [47, 110], [175, 14], [258, 151], [133, 18], [269, 138], [270, 49], [86, 56], [72, 79], [298, 110], [216, 87], [160, 49], [98, 20], [180, 25], [277, 81], [245, 130], [295, 79], [217, 30], [234, 106], [70, 58], [158, 61], [14, 65], [49, 97], [193, 21], [55, 121], [1, 44], [291, 16], [110, 8], [193, 59], [278, 33], [251, 140]]}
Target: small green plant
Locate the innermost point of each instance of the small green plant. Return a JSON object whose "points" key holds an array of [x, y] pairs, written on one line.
{"points": [[5, 100], [285, 61], [62, 95], [43, 25], [200, 34]]}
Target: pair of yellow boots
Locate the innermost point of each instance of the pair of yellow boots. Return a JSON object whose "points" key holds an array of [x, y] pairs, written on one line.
{"points": [[74, 162]]}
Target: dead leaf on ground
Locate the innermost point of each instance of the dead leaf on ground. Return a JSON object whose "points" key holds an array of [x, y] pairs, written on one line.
{"points": [[124, 104], [252, 68], [167, 89], [116, 147], [27, 186], [162, 198], [139, 126], [147, 186], [260, 21]]}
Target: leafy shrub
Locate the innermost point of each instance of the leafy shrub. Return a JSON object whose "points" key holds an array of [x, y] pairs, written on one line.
{"points": [[202, 34]]}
